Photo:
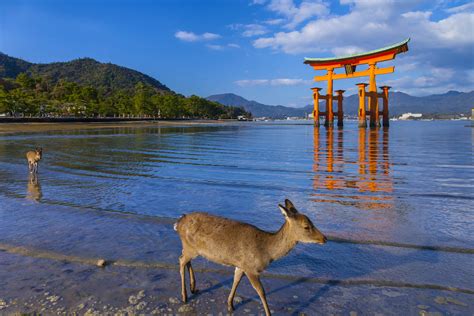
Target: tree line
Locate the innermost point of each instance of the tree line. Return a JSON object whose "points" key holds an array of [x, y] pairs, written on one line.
{"points": [[36, 97]]}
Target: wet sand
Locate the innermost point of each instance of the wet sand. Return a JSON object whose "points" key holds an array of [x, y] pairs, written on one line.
{"points": [[50, 286], [9, 128]]}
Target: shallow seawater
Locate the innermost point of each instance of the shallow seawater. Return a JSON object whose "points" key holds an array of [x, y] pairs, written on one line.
{"points": [[396, 204]]}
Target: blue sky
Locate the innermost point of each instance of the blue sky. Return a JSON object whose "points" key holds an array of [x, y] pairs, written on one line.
{"points": [[254, 48]]}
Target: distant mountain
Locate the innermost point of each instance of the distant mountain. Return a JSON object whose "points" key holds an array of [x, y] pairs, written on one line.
{"points": [[452, 102], [84, 71], [258, 109]]}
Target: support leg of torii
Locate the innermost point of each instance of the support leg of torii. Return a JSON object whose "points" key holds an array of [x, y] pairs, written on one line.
{"points": [[373, 99], [329, 111], [316, 105], [340, 111], [385, 119], [361, 113]]}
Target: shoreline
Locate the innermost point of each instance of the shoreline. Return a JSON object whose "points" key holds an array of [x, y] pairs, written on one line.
{"points": [[33, 127]]}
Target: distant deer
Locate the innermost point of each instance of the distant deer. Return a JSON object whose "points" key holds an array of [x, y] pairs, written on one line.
{"points": [[247, 248], [33, 157]]}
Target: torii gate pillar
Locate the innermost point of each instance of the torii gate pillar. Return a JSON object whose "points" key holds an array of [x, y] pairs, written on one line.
{"points": [[329, 121], [316, 105], [373, 97], [385, 118], [340, 111], [361, 112]]}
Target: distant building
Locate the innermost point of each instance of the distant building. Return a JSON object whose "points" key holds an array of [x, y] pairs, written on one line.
{"points": [[410, 116]]}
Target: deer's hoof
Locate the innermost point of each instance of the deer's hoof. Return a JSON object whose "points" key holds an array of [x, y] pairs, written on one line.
{"points": [[230, 308], [194, 291]]}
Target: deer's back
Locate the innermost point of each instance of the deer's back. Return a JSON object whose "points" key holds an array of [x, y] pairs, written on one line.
{"points": [[223, 240], [31, 156]]}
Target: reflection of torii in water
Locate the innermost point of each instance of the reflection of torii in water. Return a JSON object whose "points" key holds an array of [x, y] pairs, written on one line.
{"points": [[373, 170]]}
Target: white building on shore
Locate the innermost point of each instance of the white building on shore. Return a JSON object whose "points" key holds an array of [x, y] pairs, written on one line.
{"points": [[410, 116]]}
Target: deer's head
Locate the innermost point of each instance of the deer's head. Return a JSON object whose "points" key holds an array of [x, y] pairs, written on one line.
{"points": [[39, 153], [301, 226]]}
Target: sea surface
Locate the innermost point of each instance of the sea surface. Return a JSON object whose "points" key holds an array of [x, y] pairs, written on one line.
{"points": [[397, 204]]}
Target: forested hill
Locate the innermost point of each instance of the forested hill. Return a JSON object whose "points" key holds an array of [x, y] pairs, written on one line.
{"points": [[85, 71], [87, 88]]}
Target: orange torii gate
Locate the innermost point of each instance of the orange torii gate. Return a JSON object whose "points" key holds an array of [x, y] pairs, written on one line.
{"points": [[350, 63]]}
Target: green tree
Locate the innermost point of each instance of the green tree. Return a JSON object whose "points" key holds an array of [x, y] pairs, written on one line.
{"points": [[142, 99], [25, 81]]}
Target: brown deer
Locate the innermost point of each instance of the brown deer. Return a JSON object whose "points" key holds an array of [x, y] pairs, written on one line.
{"points": [[243, 246], [33, 157]]}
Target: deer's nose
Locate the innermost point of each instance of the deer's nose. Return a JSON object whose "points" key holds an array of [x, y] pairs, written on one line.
{"points": [[325, 239]]}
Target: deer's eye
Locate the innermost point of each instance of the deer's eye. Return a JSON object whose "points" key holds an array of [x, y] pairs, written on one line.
{"points": [[306, 227]]}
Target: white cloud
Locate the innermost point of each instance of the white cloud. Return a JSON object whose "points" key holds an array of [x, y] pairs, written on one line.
{"points": [[289, 82], [210, 36], [346, 50], [254, 30], [274, 21], [297, 14], [254, 82], [222, 47], [434, 80], [462, 8], [272, 82], [444, 45], [458, 29], [192, 37], [250, 30], [367, 29]]}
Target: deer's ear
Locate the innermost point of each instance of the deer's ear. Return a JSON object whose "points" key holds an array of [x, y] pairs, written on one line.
{"points": [[289, 206], [287, 213]]}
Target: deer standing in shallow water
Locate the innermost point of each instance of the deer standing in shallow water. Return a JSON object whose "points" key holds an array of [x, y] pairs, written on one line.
{"points": [[33, 157], [247, 248]]}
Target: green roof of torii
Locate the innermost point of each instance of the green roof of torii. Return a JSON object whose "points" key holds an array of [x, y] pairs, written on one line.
{"points": [[372, 52]]}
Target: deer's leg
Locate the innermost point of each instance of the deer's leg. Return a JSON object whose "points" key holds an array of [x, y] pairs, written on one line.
{"points": [[192, 279], [183, 261], [237, 277], [257, 285], [30, 167]]}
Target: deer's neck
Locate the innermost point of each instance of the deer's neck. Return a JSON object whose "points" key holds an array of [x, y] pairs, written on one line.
{"points": [[281, 242]]}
